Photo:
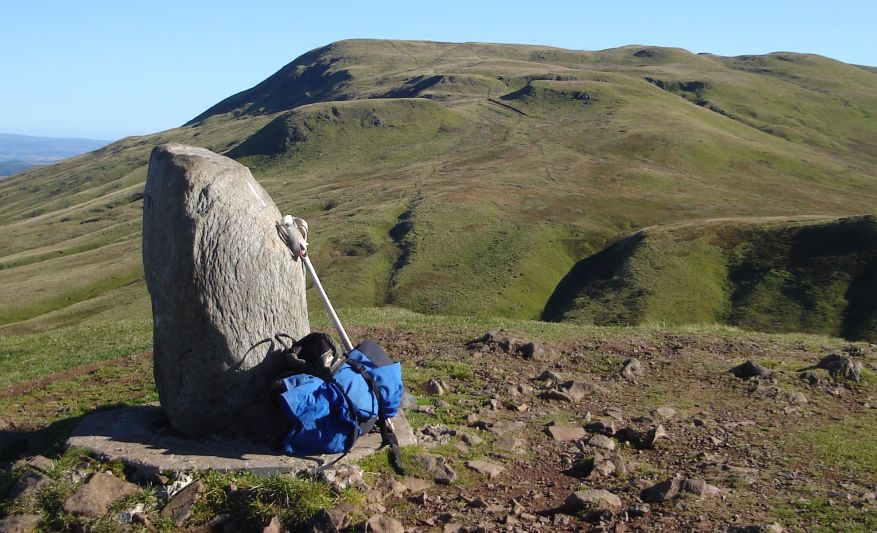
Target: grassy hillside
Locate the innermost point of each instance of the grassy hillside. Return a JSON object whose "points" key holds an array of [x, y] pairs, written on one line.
{"points": [[470, 178], [817, 276]]}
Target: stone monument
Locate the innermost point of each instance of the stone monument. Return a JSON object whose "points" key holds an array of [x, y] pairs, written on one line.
{"points": [[221, 281]]}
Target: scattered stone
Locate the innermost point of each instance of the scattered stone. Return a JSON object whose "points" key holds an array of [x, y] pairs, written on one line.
{"points": [[127, 516], [509, 443], [494, 404], [320, 522], [655, 434], [341, 516], [274, 526], [437, 434], [639, 509], [536, 351], [839, 367], [604, 427], [770, 528], [22, 523], [41, 464], [381, 523], [665, 413], [797, 398], [342, 476], [604, 467], [416, 485], [486, 468], [523, 388], [179, 507], [96, 495], [434, 387], [810, 377], [549, 375], [28, 483], [438, 467], [554, 394], [471, 440], [562, 434], [620, 464], [602, 442], [615, 413], [221, 281], [577, 389], [493, 340], [592, 500], [750, 369], [698, 487], [661, 492], [504, 427], [632, 369]]}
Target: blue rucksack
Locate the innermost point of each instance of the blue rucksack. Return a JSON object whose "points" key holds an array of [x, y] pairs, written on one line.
{"points": [[332, 399]]}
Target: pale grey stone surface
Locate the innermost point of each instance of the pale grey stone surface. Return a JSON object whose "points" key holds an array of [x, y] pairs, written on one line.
{"points": [[220, 280], [140, 437]]}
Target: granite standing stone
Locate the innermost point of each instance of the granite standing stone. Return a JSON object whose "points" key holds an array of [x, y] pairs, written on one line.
{"points": [[221, 280]]}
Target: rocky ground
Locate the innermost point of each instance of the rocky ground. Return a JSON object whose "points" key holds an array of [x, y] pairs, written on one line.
{"points": [[603, 430]]}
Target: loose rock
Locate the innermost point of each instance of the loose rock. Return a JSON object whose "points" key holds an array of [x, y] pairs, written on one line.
{"points": [[179, 507], [654, 435], [698, 487], [28, 483], [750, 369], [665, 413], [95, 496], [592, 500], [381, 523], [603, 442], [840, 366], [561, 433], [24, 523], [632, 369], [536, 351], [661, 492], [577, 389], [554, 394], [491, 470], [434, 387], [438, 467], [549, 375], [274, 526]]}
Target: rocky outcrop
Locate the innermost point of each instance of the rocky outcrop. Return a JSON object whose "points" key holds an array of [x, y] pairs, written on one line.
{"points": [[221, 281]]}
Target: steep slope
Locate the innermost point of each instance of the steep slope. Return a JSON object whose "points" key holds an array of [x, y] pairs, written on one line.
{"points": [[769, 275], [466, 178]]}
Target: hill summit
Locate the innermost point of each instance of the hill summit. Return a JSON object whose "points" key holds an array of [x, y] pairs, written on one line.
{"points": [[477, 179]]}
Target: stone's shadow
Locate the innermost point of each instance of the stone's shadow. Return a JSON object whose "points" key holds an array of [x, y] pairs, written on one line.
{"points": [[48, 440], [141, 437]]}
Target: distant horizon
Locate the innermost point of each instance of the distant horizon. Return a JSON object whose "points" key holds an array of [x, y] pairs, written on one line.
{"points": [[124, 70], [66, 138]]}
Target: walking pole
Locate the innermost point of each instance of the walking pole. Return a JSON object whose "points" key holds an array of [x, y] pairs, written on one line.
{"points": [[294, 232]]}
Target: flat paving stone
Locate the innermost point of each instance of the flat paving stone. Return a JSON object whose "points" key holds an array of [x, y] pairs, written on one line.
{"points": [[140, 437]]}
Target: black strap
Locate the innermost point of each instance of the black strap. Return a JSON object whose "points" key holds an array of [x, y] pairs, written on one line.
{"points": [[387, 434]]}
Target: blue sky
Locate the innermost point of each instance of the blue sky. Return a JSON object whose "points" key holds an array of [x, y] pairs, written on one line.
{"points": [[109, 69]]}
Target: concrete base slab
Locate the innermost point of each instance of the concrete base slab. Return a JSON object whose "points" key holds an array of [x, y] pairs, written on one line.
{"points": [[140, 437]]}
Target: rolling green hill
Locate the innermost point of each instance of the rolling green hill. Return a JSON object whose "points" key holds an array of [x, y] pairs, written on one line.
{"points": [[477, 179], [776, 275]]}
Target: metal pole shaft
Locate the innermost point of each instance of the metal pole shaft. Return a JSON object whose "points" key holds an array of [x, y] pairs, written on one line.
{"points": [[345, 340]]}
